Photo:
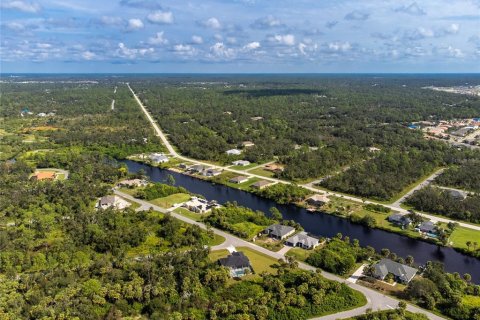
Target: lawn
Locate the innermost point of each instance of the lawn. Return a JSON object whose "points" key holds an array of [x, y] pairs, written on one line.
{"points": [[461, 235], [217, 254], [217, 239], [260, 262], [251, 165], [471, 301], [226, 176], [168, 201], [262, 172], [299, 253], [189, 214]]}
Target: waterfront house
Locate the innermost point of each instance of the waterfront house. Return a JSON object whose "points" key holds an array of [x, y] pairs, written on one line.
{"points": [[241, 163], [261, 184], [279, 232], [233, 152], [302, 240], [112, 201], [402, 273], [199, 205], [274, 167], [239, 179], [198, 168], [211, 172], [399, 220], [238, 264], [317, 200], [158, 158]]}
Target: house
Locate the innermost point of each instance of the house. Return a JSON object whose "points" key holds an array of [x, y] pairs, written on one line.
{"points": [[112, 202], [199, 205], [278, 231], [158, 158], [457, 194], [261, 184], [198, 168], [427, 227], [238, 264], [401, 272], [132, 183], [184, 166], [242, 163], [256, 118], [374, 149], [399, 220], [274, 167], [211, 172], [302, 240], [44, 175], [318, 200], [247, 144], [233, 152], [239, 179]]}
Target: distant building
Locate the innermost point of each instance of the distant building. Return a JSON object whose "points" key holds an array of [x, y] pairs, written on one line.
{"points": [[158, 158], [374, 149], [112, 202], [238, 264], [256, 118], [279, 232], [261, 184], [401, 272], [302, 240], [399, 220], [239, 179], [44, 175], [198, 168], [318, 200], [462, 132], [242, 163], [456, 194], [212, 172], [247, 144], [184, 166], [233, 152], [132, 183]]}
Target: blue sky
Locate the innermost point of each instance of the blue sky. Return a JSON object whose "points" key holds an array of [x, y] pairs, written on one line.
{"points": [[240, 36]]}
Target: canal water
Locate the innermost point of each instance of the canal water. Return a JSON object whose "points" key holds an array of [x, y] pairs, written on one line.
{"points": [[323, 225]]}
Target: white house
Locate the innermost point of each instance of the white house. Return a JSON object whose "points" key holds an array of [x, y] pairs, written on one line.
{"points": [[242, 163], [158, 158], [112, 202], [234, 152]]}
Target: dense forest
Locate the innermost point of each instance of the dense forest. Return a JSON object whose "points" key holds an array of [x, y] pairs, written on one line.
{"points": [[465, 176]]}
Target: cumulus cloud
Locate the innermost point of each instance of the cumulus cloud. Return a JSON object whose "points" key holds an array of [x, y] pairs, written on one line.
{"points": [[251, 46], [158, 39], [24, 6], [212, 23], [283, 39], [453, 28], [455, 52], [134, 24], [339, 46], [266, 22], [357, 15], [184, 50], [219, 50], [161, 17], [88, 55], [197, 39], [413, 9], [131, 53]]}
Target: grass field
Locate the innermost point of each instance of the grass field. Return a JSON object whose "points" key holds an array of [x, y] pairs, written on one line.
{"points": [[128, 191], [262, 172], [299, 254], [217, 239], [471, 301], [461, 235], [251, 165], [217, 254], [189, 214], [168, 201]]}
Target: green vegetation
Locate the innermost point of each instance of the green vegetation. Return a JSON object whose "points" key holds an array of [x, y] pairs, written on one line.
{"points": [[442, 202], [284, 193], [465, 176], [158, 190], [377, 208], [259, 261], [225, 177], [168, 201]]}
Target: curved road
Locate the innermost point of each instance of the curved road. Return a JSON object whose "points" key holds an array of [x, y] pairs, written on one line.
{"points": [[174, 153], [375, 300]]}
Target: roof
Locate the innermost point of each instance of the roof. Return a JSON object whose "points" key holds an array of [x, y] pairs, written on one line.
{"points": [[44, 175], [386, 266], [399, 218], [239, 179], [456, 194], [235, 260], [107, 200], [319, 197], [427, 226], [234, 151], [261, 183], [304, 239], [280, 230]]}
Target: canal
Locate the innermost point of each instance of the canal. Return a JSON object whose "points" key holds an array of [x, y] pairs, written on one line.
{"points": [[323, 225]]}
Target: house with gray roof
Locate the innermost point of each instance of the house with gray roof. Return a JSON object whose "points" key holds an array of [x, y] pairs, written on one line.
{"points": [[302, 240], [401, 272], [238, 264], [427, 227], [279, 232], [399, 220], [239, 179]]}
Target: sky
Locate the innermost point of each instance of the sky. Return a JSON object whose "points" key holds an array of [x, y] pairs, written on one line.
{"points": [[239, 36]]}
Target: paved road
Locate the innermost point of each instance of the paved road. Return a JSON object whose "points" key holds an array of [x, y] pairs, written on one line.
{"points": [[375, 300]]}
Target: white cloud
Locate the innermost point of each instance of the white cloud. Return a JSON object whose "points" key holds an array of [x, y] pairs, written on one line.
{"points": [[88, 55], [219, 50], [455, 52], [453, 28], [131, 53], [134, 24], [184, 50], [158, 39], [266, 22], [252, 46], [413, 9], [44, 45], [285, 39], [161, 17], [212, 23], [197, 39], [339, 46], [21, 6], [426, 32], [357, 15]]}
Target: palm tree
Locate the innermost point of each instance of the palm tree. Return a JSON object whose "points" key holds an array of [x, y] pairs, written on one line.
{"points": [[469, 244], [475, 244]]}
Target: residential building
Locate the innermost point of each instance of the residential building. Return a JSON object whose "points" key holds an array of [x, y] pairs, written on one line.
{"points": [[132, 183], [238, 264], [427, 227], [239, 179], [279, 232], [274, 167], [302, 240], [318, 200], [402, 273], [112, 201], [233, 152], [199, 205], [184, 166], [44, 175], [399, 220], [211, 172], [256, 118], [242, 163], [457, 194], [158, 158], [247, 144], [198, 168], [261, 184]]}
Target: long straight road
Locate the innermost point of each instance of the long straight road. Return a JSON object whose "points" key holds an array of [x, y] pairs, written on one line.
{"points": [[375, 300], [174, 153]]}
